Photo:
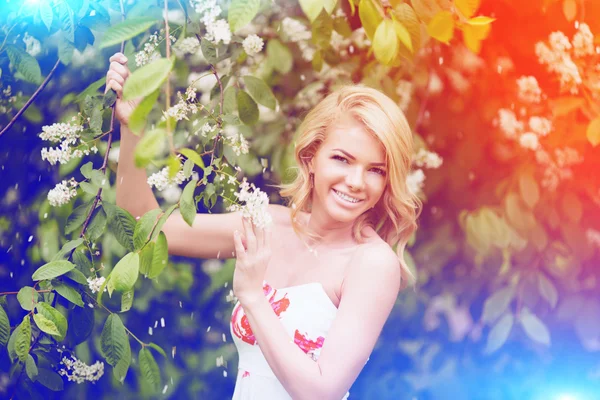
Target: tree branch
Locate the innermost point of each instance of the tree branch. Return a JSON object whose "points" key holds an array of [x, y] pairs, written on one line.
{"points": [[31, 99]]}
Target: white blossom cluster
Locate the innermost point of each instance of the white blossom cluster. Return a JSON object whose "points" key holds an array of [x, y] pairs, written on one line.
{"points": [[295, 31], [217, 30], [415, 181], [256, 204], [593, 237], [557, 169], [95, 283], [161, 179], [560, 56], [529, 89], [62, 193], [188, 45], [526, 132], [150, 52], [206, 130], [236, 140], [69, 134], [185, 106], [33, 46], [252, 45], [427, 159], [77, 371], [404, 90], [7, 100]]}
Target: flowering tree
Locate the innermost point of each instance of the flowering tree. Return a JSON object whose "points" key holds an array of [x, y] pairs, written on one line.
{"points": [[223, 87]]}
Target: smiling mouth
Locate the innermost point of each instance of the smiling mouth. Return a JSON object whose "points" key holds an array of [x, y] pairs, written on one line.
{"points": [[346, 198]]}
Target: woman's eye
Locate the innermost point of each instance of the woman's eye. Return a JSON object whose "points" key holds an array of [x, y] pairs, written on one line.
{"points": [[379, 171], [340, 158]]}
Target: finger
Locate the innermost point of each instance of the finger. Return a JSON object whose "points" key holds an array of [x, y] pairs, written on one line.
{"points": [[268, 235], [260, 235], [250, 237], [116, 77], [112, 84], [119, 69], [240, 252], [118, 57]]}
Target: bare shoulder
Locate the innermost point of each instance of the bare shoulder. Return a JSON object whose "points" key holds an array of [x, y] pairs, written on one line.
{"points": [[280, 214], [375, 262]]}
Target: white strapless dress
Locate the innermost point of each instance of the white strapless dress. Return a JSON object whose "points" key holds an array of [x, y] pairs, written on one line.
{"points": [[306, 312]]}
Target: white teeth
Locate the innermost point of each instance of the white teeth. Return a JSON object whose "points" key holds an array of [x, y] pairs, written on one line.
{"points": [[347, 198]]}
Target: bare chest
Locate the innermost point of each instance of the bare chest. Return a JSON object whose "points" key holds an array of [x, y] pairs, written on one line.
{"points": [[290, 267]]}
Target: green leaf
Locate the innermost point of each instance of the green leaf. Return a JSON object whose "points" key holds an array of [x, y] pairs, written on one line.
{"points": [[91, 90], [4, 327], [125, 273], [76, 276], [23, 338], [247, 108], [46, 13], [241, 13], [66, 16], [497, 303], [187, 204], [162, 220], [46, 325], [534, 327], [160, 258], [192, 155], [121, 368], [139, 116], [369, 17], [31, 368], [260, 92], [109, 99], [149, 147], [81, 325], [530, 191], [66, 249], [158, 348], [280, 56], [322, 27], [78, 216], [385, 42], [499, 333], [562, 106], [188, 167], [65, 50], [147, 79], [55, 317], [121, 224], [113, 340], [25, 64], [403, 35], [99, 179], [593, 132], [149, 369], [68, 293], [144, 227], [467, 7], [126, 30], [229, 102], [146, 258], [127, 300], [441, 26], [547, 290], [312, 8], [86, 170], [27, 297], [209, 51], [50, 379], [52, 270], [97, 225]]}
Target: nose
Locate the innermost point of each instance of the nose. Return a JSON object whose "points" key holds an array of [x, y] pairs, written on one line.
{"points": [[355, 179]]}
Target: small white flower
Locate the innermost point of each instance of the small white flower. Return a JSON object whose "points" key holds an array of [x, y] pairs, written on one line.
{"points": [[415, 181], [33, 45], [252, 44], [161, 180], [539, 125], [96, 283], [529, 140], [508, 123], [218, 31], [62, 193], [81, 372], [529, 90], [256, 204], [427, 159]]}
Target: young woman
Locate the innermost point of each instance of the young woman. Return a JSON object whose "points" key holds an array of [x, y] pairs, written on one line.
{"points": [[315, 289]]}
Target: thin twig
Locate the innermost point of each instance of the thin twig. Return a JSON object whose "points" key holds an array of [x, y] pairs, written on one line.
{"points": [[38, 291], [168, 94], [31, 99]]}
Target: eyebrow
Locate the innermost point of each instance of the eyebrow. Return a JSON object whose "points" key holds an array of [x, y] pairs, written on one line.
{"points": [[350, 156]]}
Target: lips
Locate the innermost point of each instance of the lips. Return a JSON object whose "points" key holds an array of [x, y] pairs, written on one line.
{"points": [[343, 198]]}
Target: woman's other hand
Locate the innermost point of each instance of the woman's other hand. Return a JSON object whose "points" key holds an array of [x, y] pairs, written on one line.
{"points": [[253, 252], [117, 75]]}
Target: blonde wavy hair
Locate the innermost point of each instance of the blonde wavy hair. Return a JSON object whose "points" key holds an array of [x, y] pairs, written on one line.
{"points": [[394, 217]]}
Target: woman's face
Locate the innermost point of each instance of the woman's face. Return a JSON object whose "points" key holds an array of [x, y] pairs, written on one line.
{"points": [[349, 172]]}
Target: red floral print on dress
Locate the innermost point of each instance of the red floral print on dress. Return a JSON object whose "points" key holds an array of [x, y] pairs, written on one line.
{"points": [[245, 374], [241, 326], [308, 346]]}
